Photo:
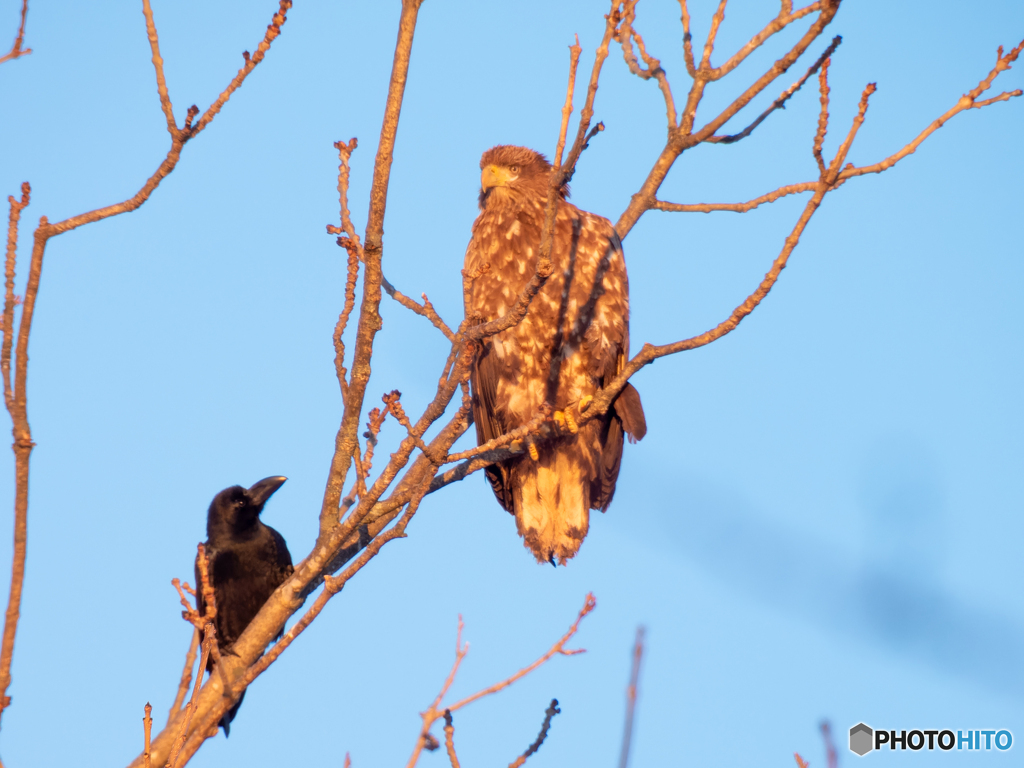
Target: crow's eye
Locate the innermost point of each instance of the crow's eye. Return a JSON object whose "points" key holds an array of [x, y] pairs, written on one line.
{"points": [[514, 168]]}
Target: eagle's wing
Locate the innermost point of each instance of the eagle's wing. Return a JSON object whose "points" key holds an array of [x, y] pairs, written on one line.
{"points": [[485, 383], [625, 416], [608, 345]]}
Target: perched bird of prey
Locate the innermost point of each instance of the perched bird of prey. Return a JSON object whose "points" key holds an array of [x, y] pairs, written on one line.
{"points": [[573, 340], [247, 562]]}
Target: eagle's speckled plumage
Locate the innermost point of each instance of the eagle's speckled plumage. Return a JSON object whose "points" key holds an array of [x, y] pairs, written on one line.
{"points": [[574, 339]]}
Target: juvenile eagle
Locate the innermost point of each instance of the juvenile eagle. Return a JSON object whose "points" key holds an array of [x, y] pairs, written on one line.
{"points": [[572, 342]]}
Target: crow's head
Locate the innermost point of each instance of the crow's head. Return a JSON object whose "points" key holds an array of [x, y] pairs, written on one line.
{"points": [[236, 510]]}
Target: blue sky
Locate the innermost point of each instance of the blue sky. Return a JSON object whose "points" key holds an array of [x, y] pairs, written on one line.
{"points": [[823, 522]]}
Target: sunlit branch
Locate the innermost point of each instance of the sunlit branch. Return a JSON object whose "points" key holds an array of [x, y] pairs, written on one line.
{"points": [[779, 103], [16, 50]]}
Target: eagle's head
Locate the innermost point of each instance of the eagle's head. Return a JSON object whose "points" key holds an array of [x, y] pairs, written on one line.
{"points": [[514, 175]]}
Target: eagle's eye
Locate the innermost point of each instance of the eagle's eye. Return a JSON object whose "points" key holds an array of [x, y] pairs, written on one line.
{"points": [[514, 168]]}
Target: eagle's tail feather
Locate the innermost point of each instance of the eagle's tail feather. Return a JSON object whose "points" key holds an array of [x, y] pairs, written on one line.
{"points": [[552, 504]]}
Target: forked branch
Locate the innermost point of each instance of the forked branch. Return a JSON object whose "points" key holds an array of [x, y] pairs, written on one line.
{"points": [[435, 711], [779, 103]]}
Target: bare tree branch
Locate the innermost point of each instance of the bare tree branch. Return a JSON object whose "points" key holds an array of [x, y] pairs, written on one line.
{"points": [[684, 137], [626, 36], [819, 136], [186, 676], [179, 138], [434, 712], [16, 50], [830, 748], [779, 103], [785, 18], [158, 66], [15, 399], [190, 708], [771, 197], [549, 713], [967, 101], [147, 729], [631, 691], [369, 313], [449, 739], [587, 113]]}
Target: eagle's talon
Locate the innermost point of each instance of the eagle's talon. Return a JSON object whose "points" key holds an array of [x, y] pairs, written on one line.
{"points": [[534, 453], [559, 417], [585, 402], [570, 422]]}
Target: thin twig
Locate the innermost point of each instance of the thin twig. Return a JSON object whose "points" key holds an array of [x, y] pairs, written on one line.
{"points": [[158, 65], [16, 50], [771, 197], [349, 241], [631, 691], [557, 649], [369, 314], [10, 300], [147, 730], [186, 676], [819, 135], [549, 713], [426, 309], [574, 59], [685, 137], [15, 399], [691, 66], [967, 101], [830, 748], [205, 589], [190, 708], [434, 711], [449, 739], [626, 35], [780, 103], [774, 27], [587, 113], [273, 30], [46, 230], [709, 43]]}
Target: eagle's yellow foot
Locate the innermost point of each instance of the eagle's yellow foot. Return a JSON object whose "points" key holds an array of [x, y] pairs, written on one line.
{"points": [[534, 454], [585, 402], [570, 422], [559, 417]]}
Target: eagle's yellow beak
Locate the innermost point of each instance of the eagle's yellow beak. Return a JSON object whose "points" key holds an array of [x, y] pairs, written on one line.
{"points": [[494, 176]]}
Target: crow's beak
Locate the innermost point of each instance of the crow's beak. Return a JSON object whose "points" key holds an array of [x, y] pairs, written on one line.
{"points": [[264, 489]]}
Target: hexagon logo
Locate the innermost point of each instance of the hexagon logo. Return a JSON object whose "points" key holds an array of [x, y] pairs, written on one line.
{"points": [[861, 739]]}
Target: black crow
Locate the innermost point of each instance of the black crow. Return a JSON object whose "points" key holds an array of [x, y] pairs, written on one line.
{"points": [[247, 562]]}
